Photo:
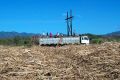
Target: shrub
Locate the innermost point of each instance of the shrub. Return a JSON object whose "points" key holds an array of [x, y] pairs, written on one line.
{"points": [[97, 41]]}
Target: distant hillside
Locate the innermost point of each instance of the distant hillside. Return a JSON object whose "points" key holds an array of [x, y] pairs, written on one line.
{"points": [[113, 34], [13, 34]]}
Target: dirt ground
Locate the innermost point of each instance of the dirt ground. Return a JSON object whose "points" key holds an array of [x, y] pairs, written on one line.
{"points": [[70, 62]]}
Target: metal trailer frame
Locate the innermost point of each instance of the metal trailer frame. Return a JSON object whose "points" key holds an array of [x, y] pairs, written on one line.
{"points": [[62, 40]]}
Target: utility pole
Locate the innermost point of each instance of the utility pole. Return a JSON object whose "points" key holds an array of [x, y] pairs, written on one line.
{"points": [[69, 24], [68, 30]]}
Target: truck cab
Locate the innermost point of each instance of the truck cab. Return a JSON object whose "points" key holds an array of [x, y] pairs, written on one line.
{"points": [[84, 40]]}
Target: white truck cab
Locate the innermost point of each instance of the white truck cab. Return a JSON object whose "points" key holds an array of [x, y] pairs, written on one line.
{"points": [[85, 40]]}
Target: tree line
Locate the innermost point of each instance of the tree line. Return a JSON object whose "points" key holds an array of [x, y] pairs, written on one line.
{"points": [[29, 41], [17, 41]]}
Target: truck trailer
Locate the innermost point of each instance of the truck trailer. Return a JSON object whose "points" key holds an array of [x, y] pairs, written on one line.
{"points": [[64, 40]]}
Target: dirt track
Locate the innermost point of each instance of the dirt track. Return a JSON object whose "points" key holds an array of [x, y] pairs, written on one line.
{"points": [[71, 62]]}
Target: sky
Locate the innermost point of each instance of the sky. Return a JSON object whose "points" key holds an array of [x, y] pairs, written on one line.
{"points": [[38, 16]]}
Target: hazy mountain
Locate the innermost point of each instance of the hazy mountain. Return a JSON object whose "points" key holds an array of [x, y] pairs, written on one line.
{"points": [[117, 33], [13, 34]]}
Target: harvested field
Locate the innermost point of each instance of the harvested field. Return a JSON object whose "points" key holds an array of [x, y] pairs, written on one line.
{"points": [[70, 62]]}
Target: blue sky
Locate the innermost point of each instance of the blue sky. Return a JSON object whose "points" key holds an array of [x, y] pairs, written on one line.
{"points": [[37, 16]]}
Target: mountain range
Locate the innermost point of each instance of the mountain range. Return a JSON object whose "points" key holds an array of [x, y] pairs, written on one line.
{"points": [[117, 33], [13, 34]]}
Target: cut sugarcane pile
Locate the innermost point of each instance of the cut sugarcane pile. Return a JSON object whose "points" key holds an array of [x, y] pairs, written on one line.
{"points": [[70, 62]]}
